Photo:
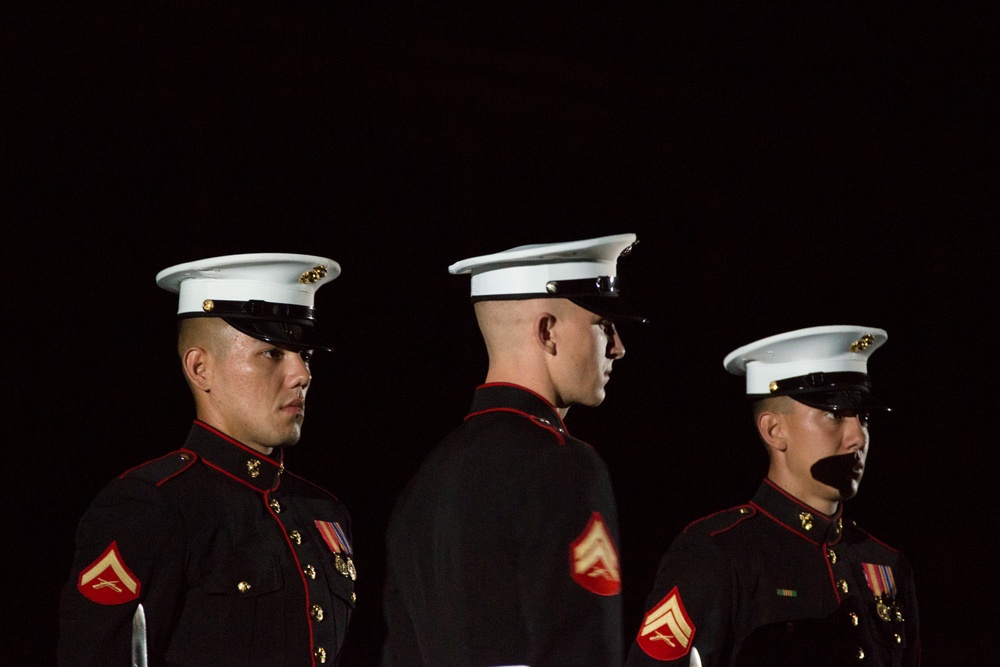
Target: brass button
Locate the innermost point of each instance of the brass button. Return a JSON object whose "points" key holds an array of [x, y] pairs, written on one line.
{"points": [[185, 457], [853, 619], [859, 654], [243, 586], [899, 640], [275, 505], [744, 510], [354, 596], [316, 612], [309, 571], [295, 536], [842, 585], [253, 468], [320, 654], [807, 520], [832, 555]]}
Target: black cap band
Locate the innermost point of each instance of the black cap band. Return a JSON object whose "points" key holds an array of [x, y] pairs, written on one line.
{"points": [[828, 391], [281, 324], [267, 310], [599, 286]]}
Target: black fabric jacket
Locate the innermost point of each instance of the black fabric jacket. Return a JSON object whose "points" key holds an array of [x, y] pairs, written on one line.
{"points": [[222, 548], [775, 583], [503, 549]]}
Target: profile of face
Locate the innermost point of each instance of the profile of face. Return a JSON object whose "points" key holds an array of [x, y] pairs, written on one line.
{"points": [[587, 345], [823, 453], [254, 391]]}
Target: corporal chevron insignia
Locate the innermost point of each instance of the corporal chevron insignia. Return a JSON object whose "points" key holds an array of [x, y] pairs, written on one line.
{"points": [[667, 630], [107, 580], [594, 559]]}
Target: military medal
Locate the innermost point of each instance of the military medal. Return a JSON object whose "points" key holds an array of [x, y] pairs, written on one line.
{"points": [[883, 585], [336, 539]]}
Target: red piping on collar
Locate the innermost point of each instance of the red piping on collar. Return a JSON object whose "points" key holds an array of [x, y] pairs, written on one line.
{"points": [[249, 450]]}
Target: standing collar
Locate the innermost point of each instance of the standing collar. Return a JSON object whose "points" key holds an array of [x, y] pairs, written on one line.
{"points": [[798, 517], [235, 459], [499, 396]]}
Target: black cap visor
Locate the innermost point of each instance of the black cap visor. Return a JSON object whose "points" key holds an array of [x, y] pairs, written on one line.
{"points": [[830, 391], [857, 400], [614, 308], [294, 335], [281, 324]]}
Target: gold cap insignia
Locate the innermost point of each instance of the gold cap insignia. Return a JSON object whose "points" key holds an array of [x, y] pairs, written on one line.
{"points": [[862, 343], [315, 275]]}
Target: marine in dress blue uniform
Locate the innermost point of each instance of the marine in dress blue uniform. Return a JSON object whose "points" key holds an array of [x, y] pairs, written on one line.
{"points": [[503, 548], [777, 582], [228, 557]]}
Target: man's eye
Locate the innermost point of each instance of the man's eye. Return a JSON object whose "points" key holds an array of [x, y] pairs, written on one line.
{"points": [[306, 355], [273, 353], [608, 328]]}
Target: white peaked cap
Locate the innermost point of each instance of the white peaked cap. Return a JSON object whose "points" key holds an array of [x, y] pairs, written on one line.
{"points": [[266, 295], [583, 271], [813, 362]]}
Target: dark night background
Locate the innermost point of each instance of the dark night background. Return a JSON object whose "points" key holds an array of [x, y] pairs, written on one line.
{"points": [[799, 165]]}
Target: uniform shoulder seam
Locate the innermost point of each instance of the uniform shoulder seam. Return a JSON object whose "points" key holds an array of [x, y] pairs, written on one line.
{"points": [[159, 470], [721, 521]]}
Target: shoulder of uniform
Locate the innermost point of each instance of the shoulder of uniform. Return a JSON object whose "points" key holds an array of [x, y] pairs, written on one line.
{"points": [[160, 470], [518, 425], [853, 531], [305, 487], [713, 524]]}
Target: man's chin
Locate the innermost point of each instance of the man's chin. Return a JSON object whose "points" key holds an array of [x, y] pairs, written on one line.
{"points": [[596, 398], [849, 491], [290, 439], [838, 472]]}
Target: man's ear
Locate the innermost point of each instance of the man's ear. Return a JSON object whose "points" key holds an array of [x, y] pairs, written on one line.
{"points": [[544, 326], [771, 427], [196, 366]]}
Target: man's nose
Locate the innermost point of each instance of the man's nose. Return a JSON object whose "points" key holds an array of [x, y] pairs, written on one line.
{"points": [[299, 373], [857, 433], [616, 348]]}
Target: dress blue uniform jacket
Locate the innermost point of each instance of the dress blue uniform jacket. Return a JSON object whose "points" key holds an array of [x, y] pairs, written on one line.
{"points": [[234, 560], [503, 548], [775, 583]]}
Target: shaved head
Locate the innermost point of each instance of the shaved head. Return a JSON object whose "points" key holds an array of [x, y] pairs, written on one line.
{"points": [[211, 333], [506, 325], [784, 405]]}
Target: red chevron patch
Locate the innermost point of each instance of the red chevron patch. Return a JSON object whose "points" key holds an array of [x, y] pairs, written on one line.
{"points": [[666, 630], [107, 580], [594, 560]]}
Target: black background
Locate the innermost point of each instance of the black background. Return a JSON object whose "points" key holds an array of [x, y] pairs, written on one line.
{"points": [[799, 165]]}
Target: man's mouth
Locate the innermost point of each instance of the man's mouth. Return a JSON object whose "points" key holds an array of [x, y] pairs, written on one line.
{"points": [[838, 471]]}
